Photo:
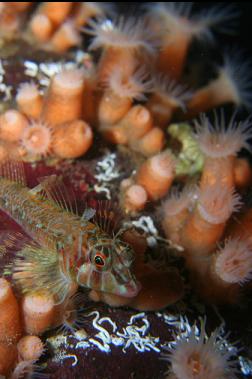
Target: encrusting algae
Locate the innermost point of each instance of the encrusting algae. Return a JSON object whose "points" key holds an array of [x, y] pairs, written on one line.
{"points": [[132, 92]]}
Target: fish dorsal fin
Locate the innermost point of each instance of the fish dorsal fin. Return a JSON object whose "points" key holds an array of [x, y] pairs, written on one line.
{"points": [[107, 217], [14, 171], [56, 191]]}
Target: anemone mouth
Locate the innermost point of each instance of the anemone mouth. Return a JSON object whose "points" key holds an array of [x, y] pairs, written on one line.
{"points": [[37, 139]]}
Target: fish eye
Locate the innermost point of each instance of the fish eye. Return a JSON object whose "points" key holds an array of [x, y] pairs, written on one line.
{"points": [[99, 260]]}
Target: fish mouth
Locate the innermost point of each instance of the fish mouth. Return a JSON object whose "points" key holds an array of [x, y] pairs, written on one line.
{"points": [[132, 288]]}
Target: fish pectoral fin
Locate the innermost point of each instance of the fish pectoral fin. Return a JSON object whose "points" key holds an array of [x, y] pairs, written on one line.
{"points": [[36, 268], [59, 193]]}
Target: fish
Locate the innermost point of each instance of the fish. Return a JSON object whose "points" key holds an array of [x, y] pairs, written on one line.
{"points": [[67, 250]]}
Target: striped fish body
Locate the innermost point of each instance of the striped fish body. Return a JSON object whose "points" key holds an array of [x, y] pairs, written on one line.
{"points": [[71, 248]]}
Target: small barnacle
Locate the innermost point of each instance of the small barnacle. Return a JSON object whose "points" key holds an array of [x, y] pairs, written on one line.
{"points": [[36, 139], [233, 263], [222, 139], [202, 357]]}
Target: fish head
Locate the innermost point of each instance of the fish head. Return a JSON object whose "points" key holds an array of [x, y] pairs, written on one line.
{"points": [[107, 268]]}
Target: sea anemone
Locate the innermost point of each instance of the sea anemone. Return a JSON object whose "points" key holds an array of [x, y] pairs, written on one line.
{"points": [[222, 139], [30, 348], [177, 16], [170, 89], [233, 262], [124, 33], [202, 357], [36, 139], [236, 71], [133, 87], [216, 204], [179, 200]]}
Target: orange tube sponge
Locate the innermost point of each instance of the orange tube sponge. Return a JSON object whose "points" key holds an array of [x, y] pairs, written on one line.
{"points": [[168, 96], [38, 313], [220, 142], [65, 37], [41, 27], [72, 140], [175, 211], [151, 143], [12, 124], [8, 356], [206, 224], [30, 348], [156, 175], [29, 100], [63, 102], [57, 12], [10, 323]]}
